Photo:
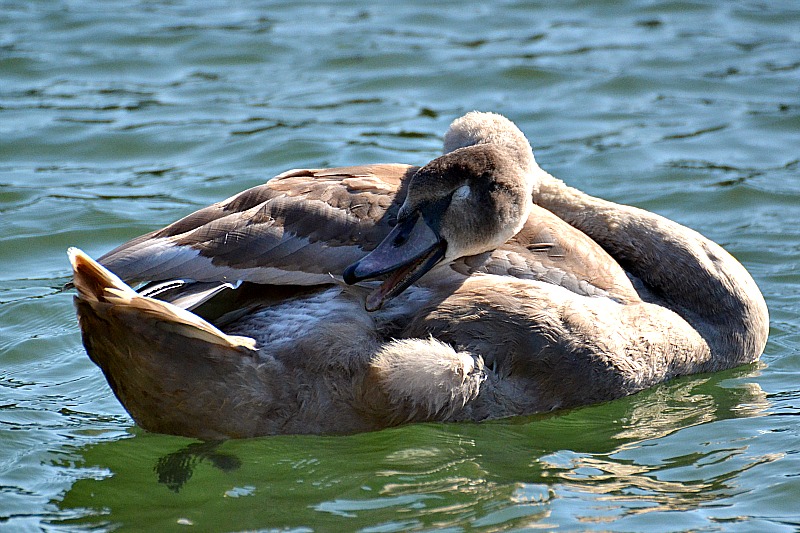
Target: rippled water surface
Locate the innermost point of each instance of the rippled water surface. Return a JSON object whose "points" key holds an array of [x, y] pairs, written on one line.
{"points": [[118, 117]]}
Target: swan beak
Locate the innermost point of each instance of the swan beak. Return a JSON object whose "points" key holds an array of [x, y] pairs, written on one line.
{"points": [[410, 250]]}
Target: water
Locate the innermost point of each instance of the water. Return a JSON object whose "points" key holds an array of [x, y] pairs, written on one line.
{"points": [[117, 118]]}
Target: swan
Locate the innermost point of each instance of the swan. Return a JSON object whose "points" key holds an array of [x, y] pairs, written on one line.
{"points": [[477, 286]]}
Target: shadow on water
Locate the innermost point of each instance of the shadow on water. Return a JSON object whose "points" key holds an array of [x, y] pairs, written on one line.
{"points": [[509, 473]]}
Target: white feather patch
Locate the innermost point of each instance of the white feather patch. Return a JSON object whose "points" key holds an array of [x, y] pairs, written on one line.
{"points": [[428, 374], [462, 193]]}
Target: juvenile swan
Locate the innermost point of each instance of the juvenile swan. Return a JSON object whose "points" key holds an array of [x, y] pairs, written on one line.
{"points": [[350, 299]]}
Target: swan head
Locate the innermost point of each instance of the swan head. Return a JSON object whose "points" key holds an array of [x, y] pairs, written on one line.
{"points": [[468, 201]]}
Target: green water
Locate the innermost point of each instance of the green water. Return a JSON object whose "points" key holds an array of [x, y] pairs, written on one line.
{"points": [[118, 117]]}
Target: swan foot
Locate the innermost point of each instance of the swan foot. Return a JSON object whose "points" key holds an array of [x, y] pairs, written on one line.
{"points": [[425, 379]]}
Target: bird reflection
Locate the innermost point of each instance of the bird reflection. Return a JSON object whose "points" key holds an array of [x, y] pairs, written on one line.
{"points": [[176, 468]]}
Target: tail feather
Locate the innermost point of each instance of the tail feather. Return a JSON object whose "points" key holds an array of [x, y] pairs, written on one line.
{"points": [[96, 284]]}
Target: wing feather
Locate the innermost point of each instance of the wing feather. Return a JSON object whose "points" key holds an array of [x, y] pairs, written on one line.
{"points": [[296, 228]]}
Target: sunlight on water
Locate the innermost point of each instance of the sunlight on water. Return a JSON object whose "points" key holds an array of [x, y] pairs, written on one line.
{"points": [[115, 121]]}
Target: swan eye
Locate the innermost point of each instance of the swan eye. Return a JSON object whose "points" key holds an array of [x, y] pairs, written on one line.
{"points": [[496, 186]]}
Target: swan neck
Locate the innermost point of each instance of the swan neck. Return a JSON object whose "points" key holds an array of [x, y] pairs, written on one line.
{"points": [[690, 274]]}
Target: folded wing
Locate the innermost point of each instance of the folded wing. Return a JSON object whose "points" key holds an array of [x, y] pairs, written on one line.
{"points": [[298, 228]]}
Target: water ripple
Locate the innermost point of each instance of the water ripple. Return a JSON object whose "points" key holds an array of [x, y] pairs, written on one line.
{"points": [[115, 121]]}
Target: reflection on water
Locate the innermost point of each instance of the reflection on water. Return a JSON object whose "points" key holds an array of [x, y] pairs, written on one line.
{"points": [[620, 455], [176, 468]]}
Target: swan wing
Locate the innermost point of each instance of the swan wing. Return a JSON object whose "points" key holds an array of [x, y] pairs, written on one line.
{"points": [[298, 228]]}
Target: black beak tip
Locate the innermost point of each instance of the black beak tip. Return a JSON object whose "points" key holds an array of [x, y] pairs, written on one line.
{"points": [[349, 274]]}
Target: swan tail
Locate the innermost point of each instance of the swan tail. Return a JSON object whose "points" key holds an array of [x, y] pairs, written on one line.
{"points": [[173, 371], [96, 284]]}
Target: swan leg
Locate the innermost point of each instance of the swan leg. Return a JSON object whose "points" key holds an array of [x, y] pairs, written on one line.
{"points": [[424, 379]]}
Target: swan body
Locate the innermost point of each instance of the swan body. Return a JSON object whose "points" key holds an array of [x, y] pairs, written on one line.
{"points": [[474, 287]]}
